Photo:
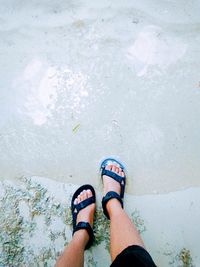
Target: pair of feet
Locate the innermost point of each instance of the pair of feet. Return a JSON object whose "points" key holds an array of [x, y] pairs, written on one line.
{"points": [[109, 184]]}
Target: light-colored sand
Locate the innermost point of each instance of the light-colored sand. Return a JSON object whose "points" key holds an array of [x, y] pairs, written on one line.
{"points": [[169, 224]]}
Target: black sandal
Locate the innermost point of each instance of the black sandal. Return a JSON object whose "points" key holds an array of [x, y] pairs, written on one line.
{"points": [[121, 180], [75, 208]]}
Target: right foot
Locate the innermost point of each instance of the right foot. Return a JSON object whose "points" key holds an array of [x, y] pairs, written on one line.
{"points": [[110, 184]]}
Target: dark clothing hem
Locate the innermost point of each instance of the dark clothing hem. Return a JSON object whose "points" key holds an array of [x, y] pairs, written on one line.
{"points": [[135, 256]]}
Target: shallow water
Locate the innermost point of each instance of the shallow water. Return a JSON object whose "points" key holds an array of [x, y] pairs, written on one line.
{"points": [[80, 81], [84, 80]]}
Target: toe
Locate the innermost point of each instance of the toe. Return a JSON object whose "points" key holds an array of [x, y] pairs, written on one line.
{"points": [[117, 169], [89, 193], [84, 194], [75, 201], [79, 198], [108, 167], [114, 168], [121, 174]]}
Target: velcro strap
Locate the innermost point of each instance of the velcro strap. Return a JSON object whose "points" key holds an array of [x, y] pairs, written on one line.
{"points": [[84, 204], [112, 175], [107, 197], [116, 177]]}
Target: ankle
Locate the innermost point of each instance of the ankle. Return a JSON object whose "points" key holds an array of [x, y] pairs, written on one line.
{"points": [[81, 237], [113, 206]]}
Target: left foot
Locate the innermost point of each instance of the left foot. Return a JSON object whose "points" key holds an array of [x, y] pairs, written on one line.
{"points": [[86, 214]]}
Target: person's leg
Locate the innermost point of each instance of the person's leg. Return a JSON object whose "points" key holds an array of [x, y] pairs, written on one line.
{"points": [[123, 233], [73, 254]]}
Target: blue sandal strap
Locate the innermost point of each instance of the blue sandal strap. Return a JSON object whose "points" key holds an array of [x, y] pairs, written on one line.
{"points": [[83, 204], [116, 177], [88, 228], [113, 175], [107, 197]]}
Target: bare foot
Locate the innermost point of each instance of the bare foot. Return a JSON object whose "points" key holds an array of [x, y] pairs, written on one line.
{"points": [[111, 185]]}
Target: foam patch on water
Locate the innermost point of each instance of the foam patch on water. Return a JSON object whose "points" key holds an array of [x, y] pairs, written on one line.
{"points": [[45, 85], [154, 47]]}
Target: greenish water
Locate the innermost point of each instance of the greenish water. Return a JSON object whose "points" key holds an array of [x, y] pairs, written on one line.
{"points": [[83, 81]]}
